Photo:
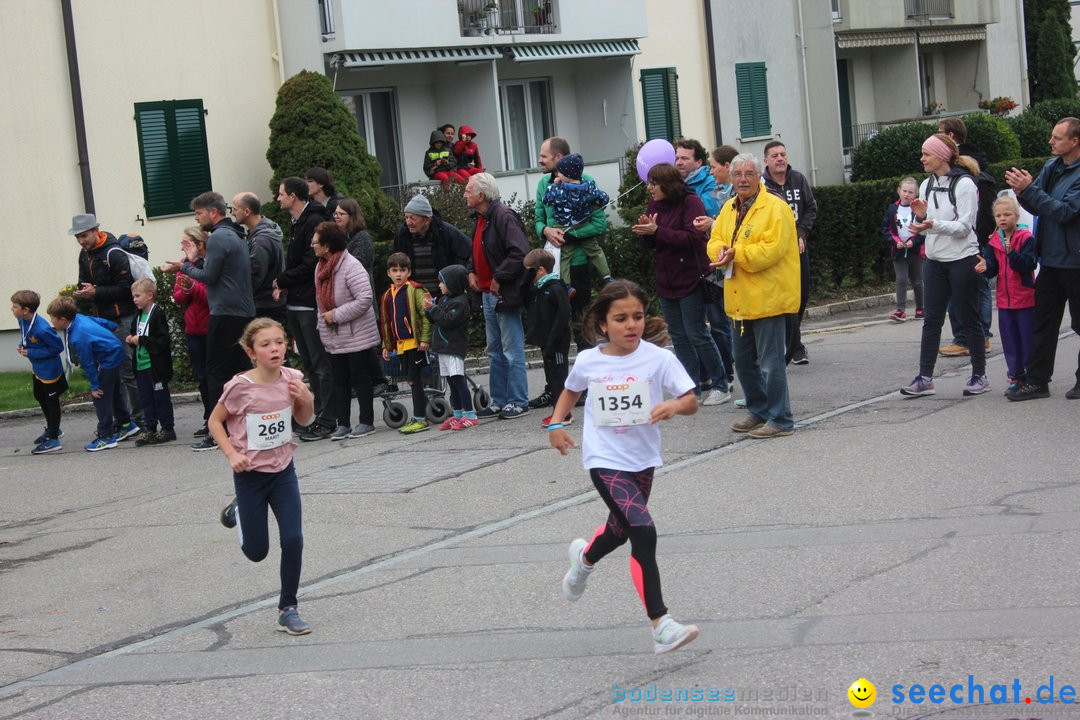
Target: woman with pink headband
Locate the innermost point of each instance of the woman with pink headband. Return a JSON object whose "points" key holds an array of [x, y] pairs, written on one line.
{"points": [[945, 213]]}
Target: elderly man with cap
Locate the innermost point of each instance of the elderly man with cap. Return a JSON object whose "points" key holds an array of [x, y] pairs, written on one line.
{"points": [[430, 242], [105, 280]]}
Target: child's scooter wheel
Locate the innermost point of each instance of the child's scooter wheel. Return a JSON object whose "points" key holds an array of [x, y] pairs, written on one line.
{"points": [[438, 409], [395, 415], [481, 399]]}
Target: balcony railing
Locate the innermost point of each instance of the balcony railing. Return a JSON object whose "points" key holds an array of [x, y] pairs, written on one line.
{"points": [[929, 9], [506, 17]]}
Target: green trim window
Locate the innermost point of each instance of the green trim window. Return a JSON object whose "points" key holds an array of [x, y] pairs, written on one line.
{"points": [[172, 153], [752, 88], [660, 99]]}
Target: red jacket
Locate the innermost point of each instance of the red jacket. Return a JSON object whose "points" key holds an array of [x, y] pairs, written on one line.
{"points": [[467, 152], [197, 312]]}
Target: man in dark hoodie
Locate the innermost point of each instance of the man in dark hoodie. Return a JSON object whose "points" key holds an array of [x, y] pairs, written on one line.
{"points": [[430, 242], [266, 253], [105, 280], [793, 187], [226, 272], [297, 284]]}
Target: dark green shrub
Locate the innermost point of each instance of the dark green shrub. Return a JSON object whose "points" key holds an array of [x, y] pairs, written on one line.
{"points": [[894, 150], [846, 248], [1033, 132], [312, 127], [633, 195], [1051, 74], [1053, 110], [1033, 165], [992, 135]]}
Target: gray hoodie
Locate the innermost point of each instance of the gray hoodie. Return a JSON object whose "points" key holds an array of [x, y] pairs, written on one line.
{"points": [[267, 262], [226, 272]]}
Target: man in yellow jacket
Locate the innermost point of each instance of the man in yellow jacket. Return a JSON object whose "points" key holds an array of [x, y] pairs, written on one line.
{"points": [[754, 240]]}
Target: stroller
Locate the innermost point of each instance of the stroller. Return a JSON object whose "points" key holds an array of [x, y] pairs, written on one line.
{"points": [[396, 414]]}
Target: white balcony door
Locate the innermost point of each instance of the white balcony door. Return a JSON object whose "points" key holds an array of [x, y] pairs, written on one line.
{"points": [[526, 110]]}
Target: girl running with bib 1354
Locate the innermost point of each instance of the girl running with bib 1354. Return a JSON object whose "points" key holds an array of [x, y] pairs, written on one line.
{"points": [[626, 381], [258, 408]]}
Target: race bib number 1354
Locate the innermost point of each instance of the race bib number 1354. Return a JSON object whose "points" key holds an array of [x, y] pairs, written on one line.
{"points": [[616, 404]]}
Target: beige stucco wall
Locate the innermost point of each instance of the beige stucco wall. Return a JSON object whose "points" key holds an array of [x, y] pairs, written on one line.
{"points": [[220, 52], [677, 39]]}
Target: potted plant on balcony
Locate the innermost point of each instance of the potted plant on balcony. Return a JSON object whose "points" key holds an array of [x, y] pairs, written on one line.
{"points": [[542, 13], [491, 10], [998, 106]]}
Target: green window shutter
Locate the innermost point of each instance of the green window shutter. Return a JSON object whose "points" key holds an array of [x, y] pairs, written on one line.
{"points": [[660, 98], [172, 152], [753, 94]]}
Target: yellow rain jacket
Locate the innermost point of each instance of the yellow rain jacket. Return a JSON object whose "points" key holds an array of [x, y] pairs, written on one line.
{"points": [[765, 279]]}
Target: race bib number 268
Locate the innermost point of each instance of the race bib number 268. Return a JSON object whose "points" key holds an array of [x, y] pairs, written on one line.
{"points": [[269, 430]]}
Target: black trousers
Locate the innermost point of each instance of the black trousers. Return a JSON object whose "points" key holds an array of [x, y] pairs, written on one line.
{"points": [[224, 356], [48, 397], [794, 322], [1054, 288]]}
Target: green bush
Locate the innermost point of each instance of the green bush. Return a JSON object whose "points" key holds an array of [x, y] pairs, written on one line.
{"points": [[312, 127], [1032, 131], [633, 194], [894, 150], [992, 135], [846, 248], [1053, 110]]}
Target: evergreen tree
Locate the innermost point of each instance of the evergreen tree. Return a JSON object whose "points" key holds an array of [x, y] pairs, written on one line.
{"points": [[1050, 50], [312, 127]]}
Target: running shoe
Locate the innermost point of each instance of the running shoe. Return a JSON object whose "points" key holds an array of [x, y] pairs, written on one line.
{"points": [[163, 436], [1029, 391], [977, 385], [146, 437], [671, 635], [289, 622], [449, 423], [361, 430], [573, 583], [201, 432], [487, 412], [340, 432], [416, 426], [128, 429], [207, 443], [228, 515], [898, 316], [465, 423], [100, 443], [47, 445], [545, 399], [919, 314], [513, 412], [919, 386], [798, 357], [45, 436], [716, 397]]}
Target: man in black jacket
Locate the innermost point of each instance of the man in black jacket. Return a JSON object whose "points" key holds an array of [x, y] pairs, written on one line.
{"points": [[496, 267], [105, 280], [297, 285], [430, 242]]}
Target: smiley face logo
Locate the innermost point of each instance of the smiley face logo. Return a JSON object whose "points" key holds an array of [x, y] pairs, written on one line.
{"points": [[862, 693]]}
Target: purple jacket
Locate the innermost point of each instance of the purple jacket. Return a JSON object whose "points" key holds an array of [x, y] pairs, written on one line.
{"points": [[679, 249], [354, 316]]}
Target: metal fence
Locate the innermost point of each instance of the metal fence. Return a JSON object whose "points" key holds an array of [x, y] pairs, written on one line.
{"points": [[506, 17], [928, 9]]}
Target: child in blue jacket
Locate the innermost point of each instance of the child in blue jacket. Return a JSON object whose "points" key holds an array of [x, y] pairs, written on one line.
{"points": [[101, 356], [42, 346]]}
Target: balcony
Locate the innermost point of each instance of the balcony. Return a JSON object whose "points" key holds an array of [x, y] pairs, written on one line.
{"points": [[929, 9], [506, 17]]}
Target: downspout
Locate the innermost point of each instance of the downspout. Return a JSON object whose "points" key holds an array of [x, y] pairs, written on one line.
{"points": [[806, 97], [77, 107], [1025, 91], [710, 47], [278, 55]]}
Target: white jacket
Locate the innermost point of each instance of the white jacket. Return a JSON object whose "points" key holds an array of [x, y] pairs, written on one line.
{"points": [[953, 235]]}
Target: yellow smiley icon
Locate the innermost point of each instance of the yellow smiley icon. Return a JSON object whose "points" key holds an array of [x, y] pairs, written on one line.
{"points": [[862, 693]]}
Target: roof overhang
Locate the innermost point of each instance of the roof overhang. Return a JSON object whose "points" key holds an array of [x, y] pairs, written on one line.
{"points": [[571, 51], [377, 58], [952, 34], [927, 36]]}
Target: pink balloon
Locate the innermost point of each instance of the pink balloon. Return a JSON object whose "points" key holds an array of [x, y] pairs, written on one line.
{"points": [[652, 153]]}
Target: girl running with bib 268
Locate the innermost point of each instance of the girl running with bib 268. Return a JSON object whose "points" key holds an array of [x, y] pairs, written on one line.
{"points": [[626, 380]]}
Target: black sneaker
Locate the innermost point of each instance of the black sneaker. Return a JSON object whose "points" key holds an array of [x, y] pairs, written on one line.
{"points": [[488, 412], [316, 432], [1074, 394], [228, 515], [544, 400], [207, 443], [512, 412], [380, 389], [145, 438], [1029, 391], [201, 432], [163, 436], [799, 357]]}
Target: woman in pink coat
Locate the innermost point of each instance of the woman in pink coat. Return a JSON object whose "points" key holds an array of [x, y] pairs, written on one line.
{"points": [[347, 327]]}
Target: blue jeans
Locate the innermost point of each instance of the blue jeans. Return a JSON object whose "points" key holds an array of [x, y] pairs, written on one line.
{"points": [[986, 314], [762, 370], [111, 405], [506, 354], [694, 345], [720, 328]]}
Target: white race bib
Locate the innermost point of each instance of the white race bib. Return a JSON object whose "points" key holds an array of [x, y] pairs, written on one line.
{"points": [[617, 404], [269, 430]]}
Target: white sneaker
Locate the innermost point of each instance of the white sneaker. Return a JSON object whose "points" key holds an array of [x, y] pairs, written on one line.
{"points": [[670, 635], [716, 397], [573, 583]]}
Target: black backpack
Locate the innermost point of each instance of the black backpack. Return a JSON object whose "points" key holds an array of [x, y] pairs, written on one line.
{"points": [[135, 245], [986, 186]]}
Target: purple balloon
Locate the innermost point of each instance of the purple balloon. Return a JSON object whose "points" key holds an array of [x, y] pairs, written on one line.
{"points": [[652, 153]]}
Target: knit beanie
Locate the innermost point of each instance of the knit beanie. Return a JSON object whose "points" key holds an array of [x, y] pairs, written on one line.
{"points": [[571, 166], [419, 205]]}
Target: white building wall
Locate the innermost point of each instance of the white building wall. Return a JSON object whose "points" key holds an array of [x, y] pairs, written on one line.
{"points": [[1006, 60], [219, 52]]}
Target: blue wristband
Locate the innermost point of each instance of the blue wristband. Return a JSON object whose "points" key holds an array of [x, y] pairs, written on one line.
{"points": [[555, 426]]}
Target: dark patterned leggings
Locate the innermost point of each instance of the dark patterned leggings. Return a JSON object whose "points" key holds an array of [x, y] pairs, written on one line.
{"points": [[626, 494]]}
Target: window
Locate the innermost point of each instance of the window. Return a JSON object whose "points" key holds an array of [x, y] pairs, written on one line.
{"points": [[660, 98], [326, 19], [837, 15], [752, 89], [172, 152], [526, 114], [377, 123]]}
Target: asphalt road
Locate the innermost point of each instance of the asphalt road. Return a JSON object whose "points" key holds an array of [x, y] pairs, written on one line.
{"points": [[902, 541]]}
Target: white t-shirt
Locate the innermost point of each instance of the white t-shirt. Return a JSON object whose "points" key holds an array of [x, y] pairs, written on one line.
{"points": [[633, 447]]}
